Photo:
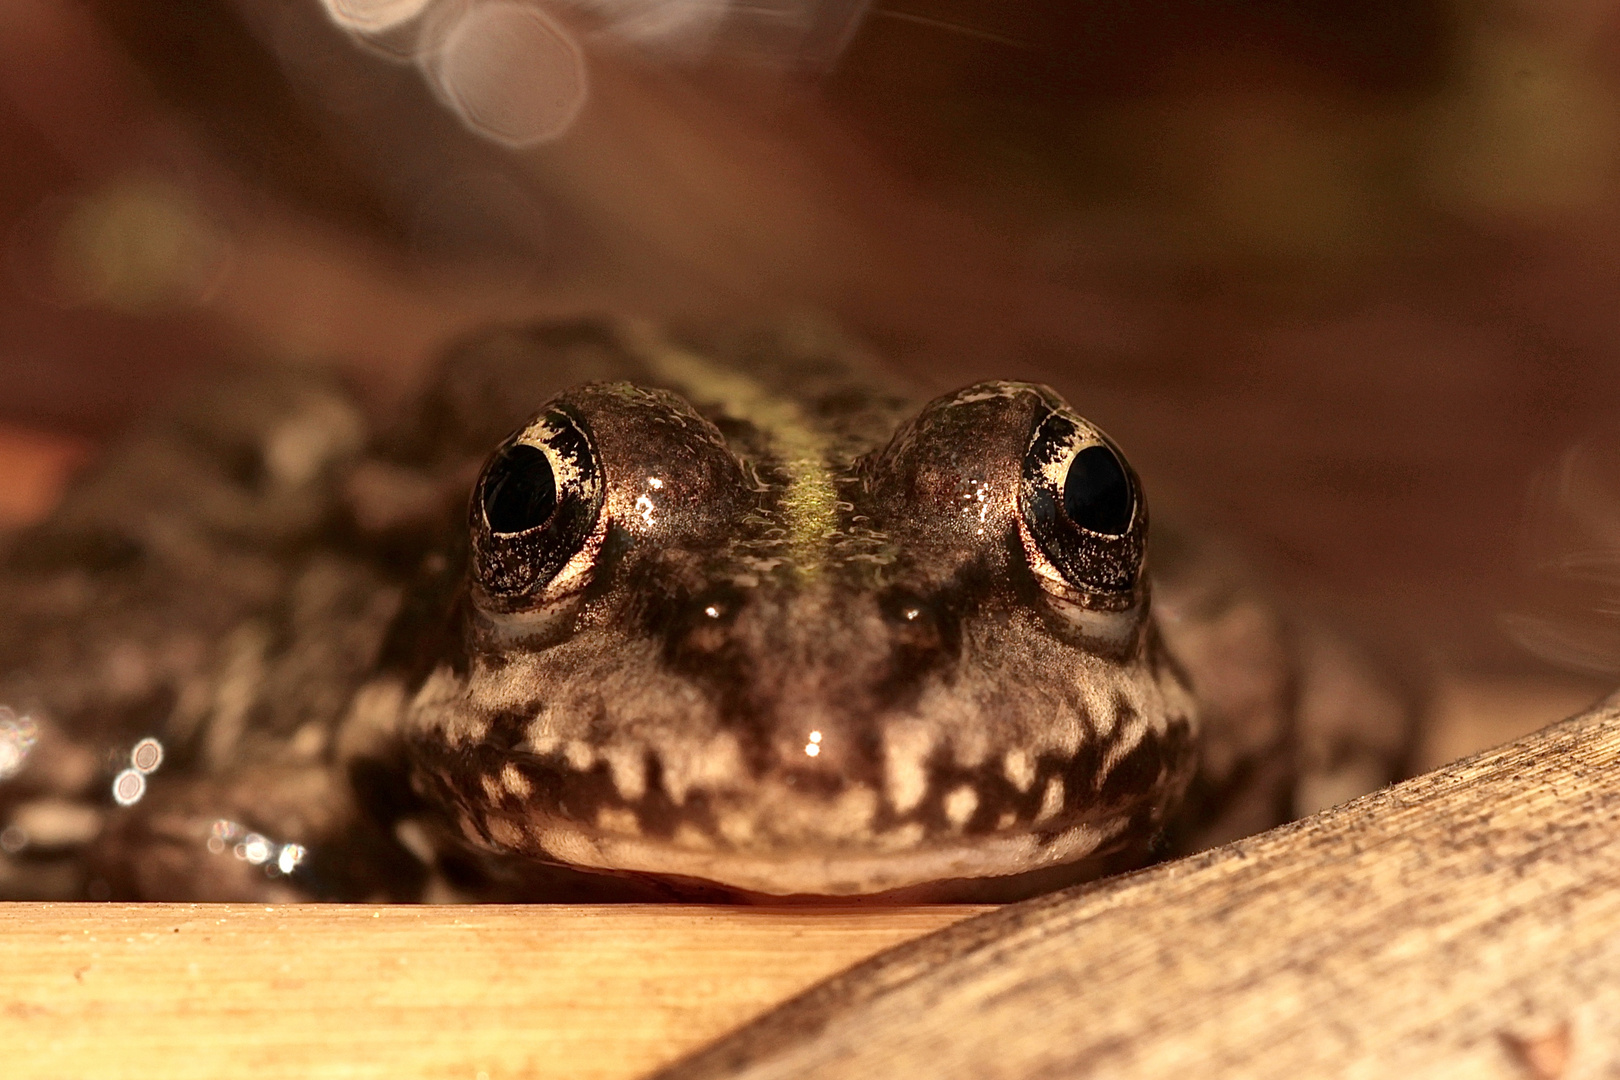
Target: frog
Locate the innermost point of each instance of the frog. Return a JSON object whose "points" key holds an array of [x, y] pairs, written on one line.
{"points": [[607, 612]]}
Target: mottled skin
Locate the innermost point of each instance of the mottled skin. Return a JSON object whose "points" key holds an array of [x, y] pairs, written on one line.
{"points": [[779, 633]]}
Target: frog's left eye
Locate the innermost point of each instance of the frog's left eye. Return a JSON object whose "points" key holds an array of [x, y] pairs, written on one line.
{"points": [[519, 490], [536, 505], [1083, 507]]}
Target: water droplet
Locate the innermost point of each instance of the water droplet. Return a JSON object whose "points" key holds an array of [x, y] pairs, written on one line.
{"points": [[254, 849], [147, 755], [17, 737], [128, 787], [291, 855]]}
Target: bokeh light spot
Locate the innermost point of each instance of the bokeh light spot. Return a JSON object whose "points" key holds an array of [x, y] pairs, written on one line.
{"points": [[373, 16], [17, 737], [140, 245], [147, 755], [511, 73], [128, 787]]}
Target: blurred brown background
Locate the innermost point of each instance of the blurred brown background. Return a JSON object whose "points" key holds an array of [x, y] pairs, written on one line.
{"points": [[1343, 278]]}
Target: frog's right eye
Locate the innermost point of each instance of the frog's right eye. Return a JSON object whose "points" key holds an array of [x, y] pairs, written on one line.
{"points": [[536, 505]]}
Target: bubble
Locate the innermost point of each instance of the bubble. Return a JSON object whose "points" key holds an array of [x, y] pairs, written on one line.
{"points": [[510, 72], [128, 787], [147, 755], [13, 839]]}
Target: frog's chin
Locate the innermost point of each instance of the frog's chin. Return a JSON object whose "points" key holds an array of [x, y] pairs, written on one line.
{"points": [[888, 867]]}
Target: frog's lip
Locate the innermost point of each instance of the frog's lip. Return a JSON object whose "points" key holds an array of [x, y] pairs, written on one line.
{"points": [[840, 873], [782, 833]]}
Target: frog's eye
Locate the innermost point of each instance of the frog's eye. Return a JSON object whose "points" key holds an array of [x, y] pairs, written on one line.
{"points": [[1097, 494], [535, 506], [519, 490], [1082, 507]]}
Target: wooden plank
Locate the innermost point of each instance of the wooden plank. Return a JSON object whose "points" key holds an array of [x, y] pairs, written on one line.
{"points": [[209, 991], [1462, 924]]}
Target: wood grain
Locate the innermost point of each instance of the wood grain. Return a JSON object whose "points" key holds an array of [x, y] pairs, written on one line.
{"points": [[1463, 924], [212, 991]]}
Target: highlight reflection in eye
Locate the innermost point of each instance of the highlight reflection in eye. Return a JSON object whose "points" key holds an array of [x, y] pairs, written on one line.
{"points": [[813, 747]]}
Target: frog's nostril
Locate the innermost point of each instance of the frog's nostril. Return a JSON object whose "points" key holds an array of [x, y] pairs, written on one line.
{"points": [[705, 623], [920, 630], [906, 609]]}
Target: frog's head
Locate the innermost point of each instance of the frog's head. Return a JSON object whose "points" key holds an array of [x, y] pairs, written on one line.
{"points": [[740, 651]]}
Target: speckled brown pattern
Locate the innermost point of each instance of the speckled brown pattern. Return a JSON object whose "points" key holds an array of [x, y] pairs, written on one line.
{"points": [[777, 633]]}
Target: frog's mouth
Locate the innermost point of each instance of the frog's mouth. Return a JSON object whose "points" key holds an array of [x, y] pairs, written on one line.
{"points": [[889, 865], [788, 832]]}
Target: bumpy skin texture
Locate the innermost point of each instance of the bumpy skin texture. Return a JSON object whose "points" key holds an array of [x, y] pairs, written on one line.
{"points": [[770, 631]]}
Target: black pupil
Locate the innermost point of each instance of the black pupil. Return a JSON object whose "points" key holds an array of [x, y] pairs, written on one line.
{"points": [[521, 491], [1096, 495]]}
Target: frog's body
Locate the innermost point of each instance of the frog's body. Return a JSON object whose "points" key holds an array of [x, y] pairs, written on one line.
{"points": [[753, 626]]}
